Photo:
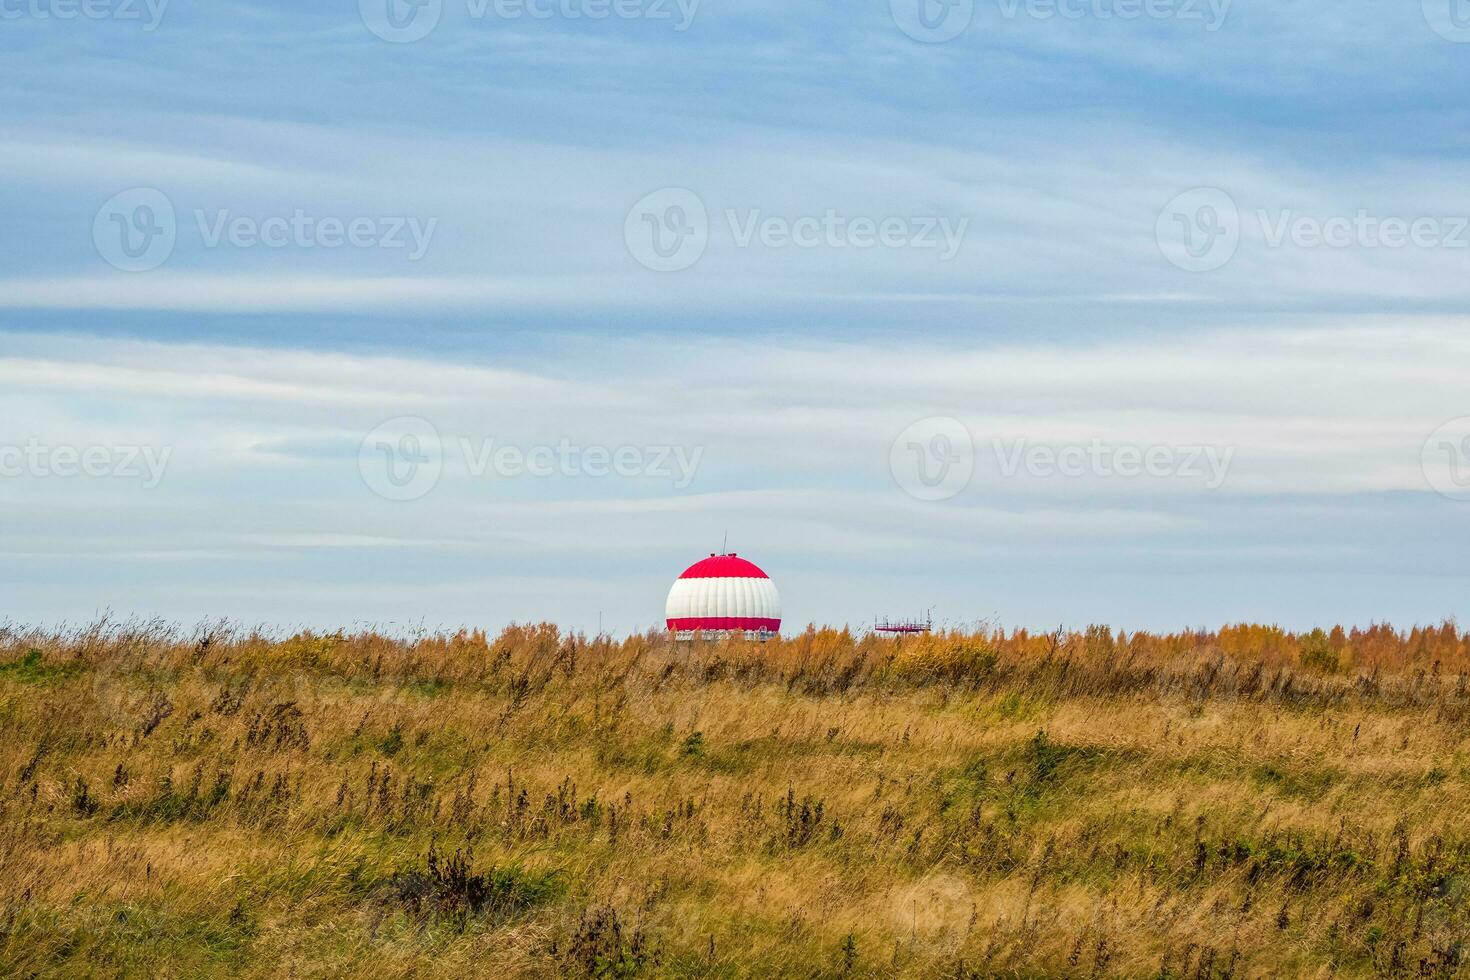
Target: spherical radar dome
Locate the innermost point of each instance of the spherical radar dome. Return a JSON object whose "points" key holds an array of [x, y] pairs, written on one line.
{"points": [[724, 593]]}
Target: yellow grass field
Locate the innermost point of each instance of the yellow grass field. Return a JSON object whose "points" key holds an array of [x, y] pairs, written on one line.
{"points": [[1248, 802]]}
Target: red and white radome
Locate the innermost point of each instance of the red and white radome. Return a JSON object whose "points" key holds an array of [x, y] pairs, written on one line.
{"points": [[724, 592]]}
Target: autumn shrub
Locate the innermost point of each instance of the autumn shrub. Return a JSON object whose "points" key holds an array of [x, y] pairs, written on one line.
{"points": [[944, 656]]}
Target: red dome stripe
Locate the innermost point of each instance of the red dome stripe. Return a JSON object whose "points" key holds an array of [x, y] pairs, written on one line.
{"points": [[723, 566], [725, 623]]}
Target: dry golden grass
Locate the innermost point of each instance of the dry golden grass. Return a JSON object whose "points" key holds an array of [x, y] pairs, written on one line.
{"points": [[1241, 803]]}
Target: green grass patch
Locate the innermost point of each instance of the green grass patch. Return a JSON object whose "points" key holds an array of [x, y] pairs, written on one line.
{"points": [[32, 668], [1311, 784], [128, 939]]}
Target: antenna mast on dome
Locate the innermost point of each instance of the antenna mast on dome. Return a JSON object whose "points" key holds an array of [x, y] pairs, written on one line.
{"points": [[725, 544]]}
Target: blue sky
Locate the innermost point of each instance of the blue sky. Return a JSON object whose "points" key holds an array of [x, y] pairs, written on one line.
{"points": [[1228, 232]]}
